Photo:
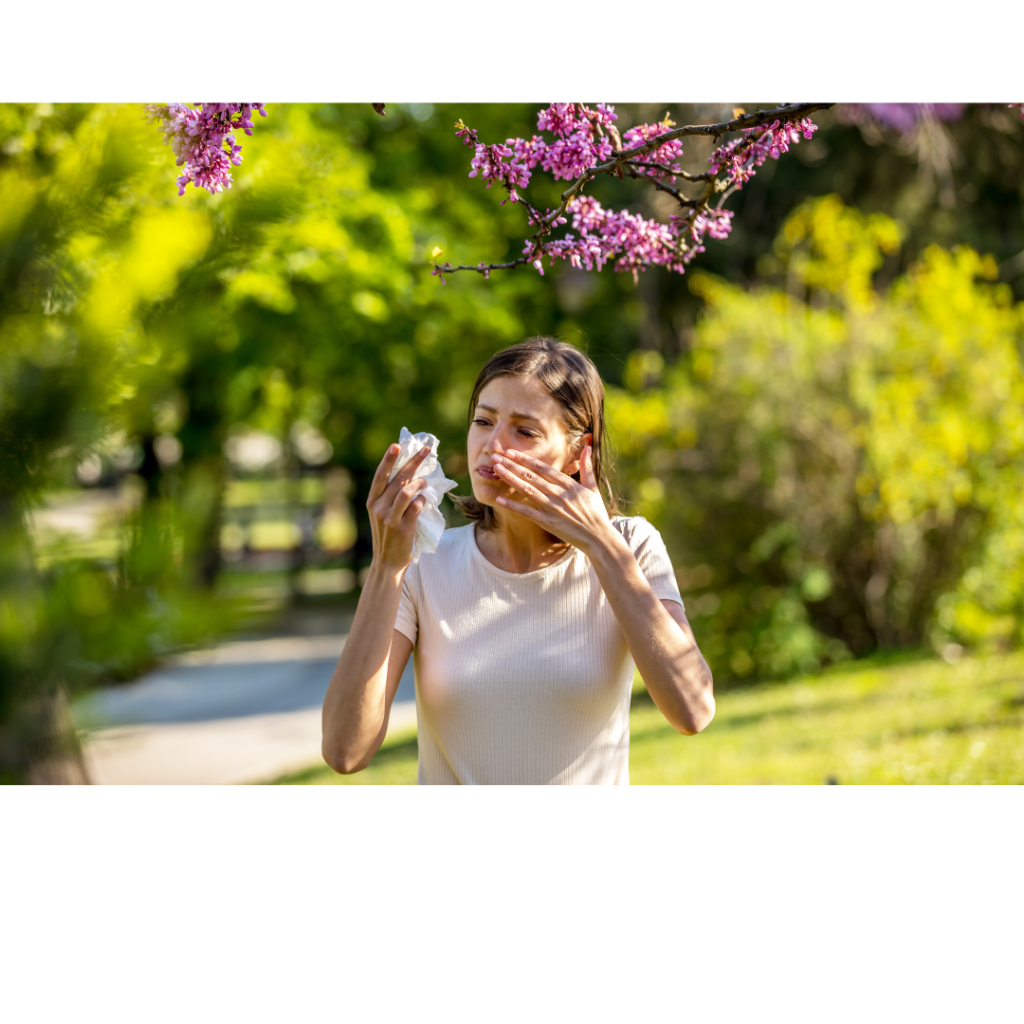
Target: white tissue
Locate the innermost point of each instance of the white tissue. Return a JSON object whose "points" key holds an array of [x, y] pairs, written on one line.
{"points": [[430, 524]]}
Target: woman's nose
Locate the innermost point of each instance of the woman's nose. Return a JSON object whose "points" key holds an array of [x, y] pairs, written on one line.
{"points": [[494, 445]]}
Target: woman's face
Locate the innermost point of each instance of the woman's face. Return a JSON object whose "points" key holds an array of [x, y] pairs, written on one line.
{"points": [[519, 413]]}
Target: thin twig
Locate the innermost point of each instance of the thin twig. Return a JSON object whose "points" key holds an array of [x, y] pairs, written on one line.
{"points": [[665, 169], [661, 186], [447, 268]]}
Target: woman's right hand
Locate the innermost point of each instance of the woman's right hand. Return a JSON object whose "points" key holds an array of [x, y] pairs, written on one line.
{"points": [[394, 508]]}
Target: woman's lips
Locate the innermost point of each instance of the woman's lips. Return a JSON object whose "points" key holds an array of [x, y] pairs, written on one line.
{"points": [[487, 473]]}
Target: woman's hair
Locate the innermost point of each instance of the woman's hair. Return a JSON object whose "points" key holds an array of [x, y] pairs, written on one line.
{"points": [[573, 381]]}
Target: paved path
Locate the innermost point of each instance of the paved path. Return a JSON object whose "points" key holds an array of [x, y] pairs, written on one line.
{"points": [[245, 711]]}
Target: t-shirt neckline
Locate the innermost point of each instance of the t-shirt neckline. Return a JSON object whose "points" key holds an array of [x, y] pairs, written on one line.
{"points": [[479, 557]]}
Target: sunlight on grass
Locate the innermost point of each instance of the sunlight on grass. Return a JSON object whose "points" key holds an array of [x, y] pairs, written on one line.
{"points": [[915, 722], [923, 722], [393, 765]]}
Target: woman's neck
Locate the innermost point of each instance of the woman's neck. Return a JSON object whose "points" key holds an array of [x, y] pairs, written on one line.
{"points": [[518, 546]]}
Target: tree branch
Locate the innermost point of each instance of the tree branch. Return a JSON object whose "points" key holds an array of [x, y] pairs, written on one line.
{"points": [[665, 169], [628, 158], [661, 186], [787, 112]]}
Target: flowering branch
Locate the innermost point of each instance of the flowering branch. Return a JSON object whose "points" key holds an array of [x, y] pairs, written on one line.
{"points": [[202, 139], [587, 144]]}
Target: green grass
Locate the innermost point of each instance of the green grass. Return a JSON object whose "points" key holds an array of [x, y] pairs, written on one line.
{"points": [[886, 720], [393, 765]]}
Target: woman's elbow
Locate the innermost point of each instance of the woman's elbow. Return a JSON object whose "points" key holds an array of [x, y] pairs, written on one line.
{"points": [[344, 762], [699, 719], [698, 714]]}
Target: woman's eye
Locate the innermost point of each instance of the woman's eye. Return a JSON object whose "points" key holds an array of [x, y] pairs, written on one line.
{"points": [[482, 423], [527, 433]]}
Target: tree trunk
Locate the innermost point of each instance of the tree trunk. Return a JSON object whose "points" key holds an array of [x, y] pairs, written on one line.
{"points": [[39, 744]]}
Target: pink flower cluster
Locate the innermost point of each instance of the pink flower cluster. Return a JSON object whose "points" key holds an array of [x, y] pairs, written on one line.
{"points": [[203, 141], [581, 141], [631, 241], [583, 138], [498, 163], [714, 223], [665, 154], [741, 157]]}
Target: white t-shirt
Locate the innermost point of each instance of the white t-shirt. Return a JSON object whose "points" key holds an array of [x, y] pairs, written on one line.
{"points": [[522, 678]]}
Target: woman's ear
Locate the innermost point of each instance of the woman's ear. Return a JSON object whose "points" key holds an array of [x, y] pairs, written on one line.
{"points": [[578, 445]]}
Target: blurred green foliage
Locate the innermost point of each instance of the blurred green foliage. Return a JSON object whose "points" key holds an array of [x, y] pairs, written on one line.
{"points": [[135, 320], [831, 452], [838, 469]]}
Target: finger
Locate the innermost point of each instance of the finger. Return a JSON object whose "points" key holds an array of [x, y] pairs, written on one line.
{"points": [[416, 506], [403, 499], [587, 476], [525, 482], [550, 482], [408, 471], [521, 509], [380, 478], [542, 469]]}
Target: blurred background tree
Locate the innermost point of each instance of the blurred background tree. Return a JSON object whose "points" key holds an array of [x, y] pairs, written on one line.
{"points": [[835, 468], [823, 421]]}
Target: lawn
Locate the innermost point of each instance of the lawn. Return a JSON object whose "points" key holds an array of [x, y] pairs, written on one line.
{"points": [[916, 720]]}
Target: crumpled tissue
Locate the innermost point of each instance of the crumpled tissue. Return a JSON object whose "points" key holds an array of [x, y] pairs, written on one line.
{"points": [[430, 524]]}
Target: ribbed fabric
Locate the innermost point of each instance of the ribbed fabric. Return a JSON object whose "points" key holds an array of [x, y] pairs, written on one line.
{"points": [[522, 678]]}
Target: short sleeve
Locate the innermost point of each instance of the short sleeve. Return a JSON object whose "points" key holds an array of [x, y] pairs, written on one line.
{"points": [[651, 555], [407, 622]]}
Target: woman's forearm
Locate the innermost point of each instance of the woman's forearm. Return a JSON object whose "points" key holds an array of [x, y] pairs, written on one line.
{"points": [[666, 655], [355, 707]]}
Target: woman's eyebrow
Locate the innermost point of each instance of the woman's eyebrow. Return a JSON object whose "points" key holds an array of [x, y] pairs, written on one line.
{"points": [[512, 415]]}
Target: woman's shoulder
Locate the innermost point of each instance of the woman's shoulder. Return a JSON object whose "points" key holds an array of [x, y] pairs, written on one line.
{"points": [[644, 540], [635, 529]]}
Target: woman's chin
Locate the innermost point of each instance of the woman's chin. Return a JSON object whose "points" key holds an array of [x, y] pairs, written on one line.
{"points": [[486, 492]]}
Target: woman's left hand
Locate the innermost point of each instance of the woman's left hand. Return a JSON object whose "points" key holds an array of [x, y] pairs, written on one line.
{"points": [[573, 512]]}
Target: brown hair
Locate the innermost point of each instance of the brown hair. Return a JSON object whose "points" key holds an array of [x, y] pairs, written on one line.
{"points": [[573, 381]]}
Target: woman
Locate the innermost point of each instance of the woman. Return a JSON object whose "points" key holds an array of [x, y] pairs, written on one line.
{"points": [[526, 623]]}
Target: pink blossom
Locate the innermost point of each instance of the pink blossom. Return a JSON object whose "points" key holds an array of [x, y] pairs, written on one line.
{"points": [[581, 141], [716, 223], [599, 236], [567, 158], [202, 140], [464, 132], [628, 240], [666, 154], [741, 157], [559, 119], [498, 164]]}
